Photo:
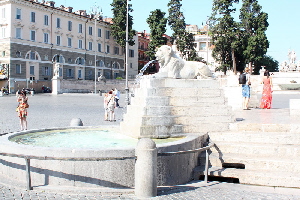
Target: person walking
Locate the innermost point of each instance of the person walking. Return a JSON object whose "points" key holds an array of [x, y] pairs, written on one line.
{"points": [[266, 99], [117, 97], [246, 89], [22, 109], [111, 104], [105, 107]]}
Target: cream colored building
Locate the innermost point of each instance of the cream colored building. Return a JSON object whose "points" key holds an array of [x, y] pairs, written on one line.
{"points": [[35, 36], [203, 43]]}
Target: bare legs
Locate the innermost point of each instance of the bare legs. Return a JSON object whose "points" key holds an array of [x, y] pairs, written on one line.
{"points": [[23, 123], [245, 103]]}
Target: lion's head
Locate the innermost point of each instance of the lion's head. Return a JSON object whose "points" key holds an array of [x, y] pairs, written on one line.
{"points": [[163, 54]]}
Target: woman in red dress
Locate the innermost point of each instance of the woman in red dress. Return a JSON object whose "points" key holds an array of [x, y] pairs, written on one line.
{"points": [[266, 99]]}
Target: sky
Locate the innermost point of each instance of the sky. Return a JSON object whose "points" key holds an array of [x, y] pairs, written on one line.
{"points": [[283, 17]]}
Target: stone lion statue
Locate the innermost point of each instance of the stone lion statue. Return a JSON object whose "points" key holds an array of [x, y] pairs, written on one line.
{"points": [[172, 66]]}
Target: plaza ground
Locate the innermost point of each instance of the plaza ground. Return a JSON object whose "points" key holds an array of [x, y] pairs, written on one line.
{"points": [[48, 111]]}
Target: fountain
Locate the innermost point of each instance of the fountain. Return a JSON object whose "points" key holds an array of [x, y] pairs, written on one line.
{"points": [[181, 110]]}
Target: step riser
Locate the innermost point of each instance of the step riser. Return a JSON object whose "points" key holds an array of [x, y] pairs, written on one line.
{"points": [[291, 166], [178, 92], [194, 119], [257, 150], [258, 179], [203, 128]]}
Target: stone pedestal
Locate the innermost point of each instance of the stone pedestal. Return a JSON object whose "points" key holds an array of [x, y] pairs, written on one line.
{"points": [[167, 107], [56, 85]]}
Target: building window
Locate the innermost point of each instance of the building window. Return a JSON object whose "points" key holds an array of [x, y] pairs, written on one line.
{"points": [[130, 65], [90, 74], [107, 35], [3, 13], [18, 54], [32, 17], [107, 49], [31, 70], [79, 28], [80, 61], [79, 44], [69, 42], [46, 20], [69, 26], [90, 30], [99, 32], [18, 33], [69, 73], [18, 68], [58, 40], [3, 30], [99, 47], [18, 13], [69, 60], [46, 71], [90, 46], [46, 38], [60, 72], [117, 50], [32, 55], [58, 23], [32, 35], [79, 73], [131, 53]]}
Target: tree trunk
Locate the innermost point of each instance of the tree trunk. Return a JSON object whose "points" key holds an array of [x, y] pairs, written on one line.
{"points": [[233, 61]]}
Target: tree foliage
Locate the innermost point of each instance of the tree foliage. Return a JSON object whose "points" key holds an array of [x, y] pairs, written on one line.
{"points": [[238, 43], [254, 23], [119, 9], [183, 40], [157, 23], [224, 33], [269, 63]]}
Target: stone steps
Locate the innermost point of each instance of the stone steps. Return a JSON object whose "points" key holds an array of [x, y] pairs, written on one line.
{"points": [[205, 118], [254, 177], [203, 127], [256, 137], [271, 163], [257, 149], [193, 104], [265, 158], [180, 92]]}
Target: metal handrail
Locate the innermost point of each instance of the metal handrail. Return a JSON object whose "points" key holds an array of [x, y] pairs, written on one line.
{"points": [[28, 157], [210, 144]]}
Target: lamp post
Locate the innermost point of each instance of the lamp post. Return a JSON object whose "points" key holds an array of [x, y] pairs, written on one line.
{"points": [[126, 59], [96, 13]]}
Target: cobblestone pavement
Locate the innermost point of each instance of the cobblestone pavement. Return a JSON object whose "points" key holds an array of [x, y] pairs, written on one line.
{"points": [[191, 191], [47, 111]]}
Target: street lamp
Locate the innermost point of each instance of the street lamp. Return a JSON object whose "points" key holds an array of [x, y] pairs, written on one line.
{"points": [[96, 13], [126, 59]]}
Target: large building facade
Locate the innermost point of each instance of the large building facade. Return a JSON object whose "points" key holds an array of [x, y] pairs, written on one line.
{"points": [[37, 36], [204, 46]]}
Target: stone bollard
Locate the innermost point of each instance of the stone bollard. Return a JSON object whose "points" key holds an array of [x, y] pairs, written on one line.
{"points": [[146, 169], [76, 122]]}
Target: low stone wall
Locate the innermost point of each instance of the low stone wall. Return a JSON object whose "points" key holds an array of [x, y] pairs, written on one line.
{"points": [[172, 170]]}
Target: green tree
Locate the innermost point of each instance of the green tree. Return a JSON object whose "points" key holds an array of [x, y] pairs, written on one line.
{"points": [[269, 63], [224, 32], [254, 24], [183, 40], [119, 8], [157, 23]]}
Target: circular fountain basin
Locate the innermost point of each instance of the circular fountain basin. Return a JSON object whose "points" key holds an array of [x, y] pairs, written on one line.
{"points": [[86, 143]]}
